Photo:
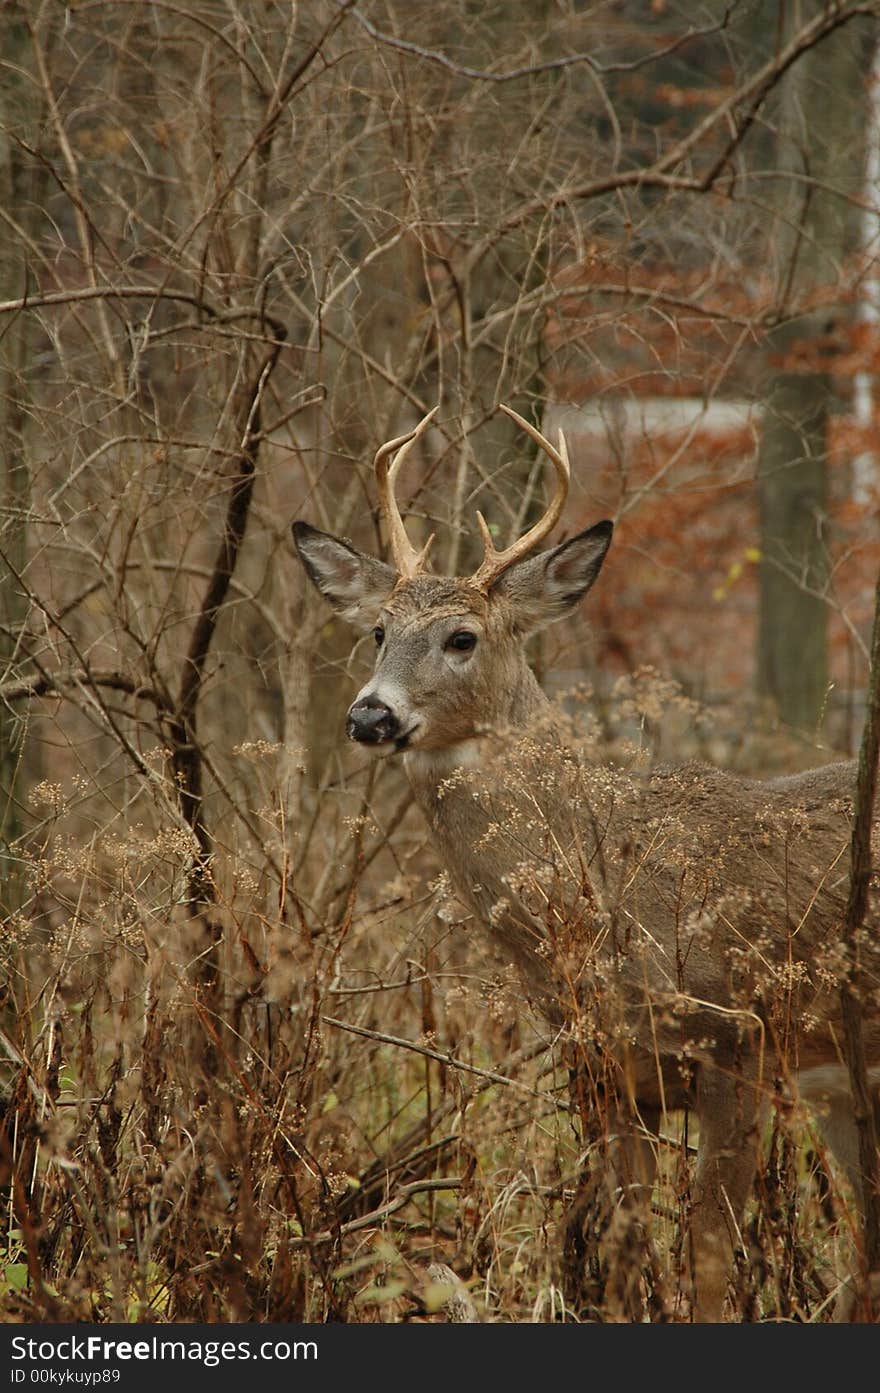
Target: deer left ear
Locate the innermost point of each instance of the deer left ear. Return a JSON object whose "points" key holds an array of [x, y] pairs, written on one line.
{"points": [[546, 587]]}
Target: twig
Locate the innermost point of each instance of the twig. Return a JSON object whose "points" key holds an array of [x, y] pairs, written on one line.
{"points": [[448, 1059], [375, 1216]]}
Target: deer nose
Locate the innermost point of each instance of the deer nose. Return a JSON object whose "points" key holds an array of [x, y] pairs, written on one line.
{"points": [[370, 721]]}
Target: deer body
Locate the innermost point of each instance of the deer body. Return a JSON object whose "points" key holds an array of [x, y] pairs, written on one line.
{"points": [[684, 923], [710, 877]]}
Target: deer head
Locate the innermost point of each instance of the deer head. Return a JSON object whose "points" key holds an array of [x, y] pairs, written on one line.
{"points": [[450, 661]]}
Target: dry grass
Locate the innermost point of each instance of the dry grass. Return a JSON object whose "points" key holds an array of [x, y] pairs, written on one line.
{"points": [[369, 1095]]}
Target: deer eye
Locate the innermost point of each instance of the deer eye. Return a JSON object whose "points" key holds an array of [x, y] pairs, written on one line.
{"points": [[379, 635], [463, 641]]}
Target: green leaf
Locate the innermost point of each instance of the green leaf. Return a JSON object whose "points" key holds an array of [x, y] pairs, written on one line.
{"points": [[377, 1295], [15, 1275]]}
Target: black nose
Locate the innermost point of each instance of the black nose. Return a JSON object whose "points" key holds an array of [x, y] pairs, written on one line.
{"points": [[370, 721]]}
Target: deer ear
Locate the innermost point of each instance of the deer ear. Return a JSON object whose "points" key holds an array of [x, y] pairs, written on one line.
{"points": [[356, 585], [546, 587]]}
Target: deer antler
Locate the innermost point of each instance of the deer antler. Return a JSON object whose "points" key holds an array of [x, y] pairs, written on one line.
{"points": [[495, 563], [408, 561]]}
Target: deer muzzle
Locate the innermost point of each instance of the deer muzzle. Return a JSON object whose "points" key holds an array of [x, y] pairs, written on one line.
{"points": [[371, 722]]}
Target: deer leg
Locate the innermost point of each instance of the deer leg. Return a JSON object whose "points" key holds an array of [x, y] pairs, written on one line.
{"points": [[632, 1170], [727, 1112], [632, 1152], [826, 1089], [612, 1205]]}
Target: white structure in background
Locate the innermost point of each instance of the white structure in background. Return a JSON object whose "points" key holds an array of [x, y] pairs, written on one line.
{"points": [[634, 416], [865, 464], [621, 421]]}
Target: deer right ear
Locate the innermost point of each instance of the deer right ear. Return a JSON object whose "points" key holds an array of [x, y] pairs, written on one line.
{"points": [[356, 585]]}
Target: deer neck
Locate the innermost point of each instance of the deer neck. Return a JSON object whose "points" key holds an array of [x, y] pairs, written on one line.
{"points": [[519, 708], [479, 864]]}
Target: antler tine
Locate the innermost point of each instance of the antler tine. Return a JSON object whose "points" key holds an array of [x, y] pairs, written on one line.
{"points": [[495, 563], [404, 555]]}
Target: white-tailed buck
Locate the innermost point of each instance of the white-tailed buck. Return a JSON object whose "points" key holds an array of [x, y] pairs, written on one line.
{"points": [[683, 924]]}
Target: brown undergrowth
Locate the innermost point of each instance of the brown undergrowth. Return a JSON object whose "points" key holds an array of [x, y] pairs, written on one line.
{"points": [[379, 1098]]}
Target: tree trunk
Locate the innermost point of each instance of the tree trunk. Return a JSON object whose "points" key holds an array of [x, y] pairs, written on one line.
{"points": [[819, 144], [793, 500]]}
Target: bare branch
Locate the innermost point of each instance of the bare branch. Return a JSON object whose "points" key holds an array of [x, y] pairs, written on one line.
{"points": [[430, 55], [59, 683], [488, 1074]]}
